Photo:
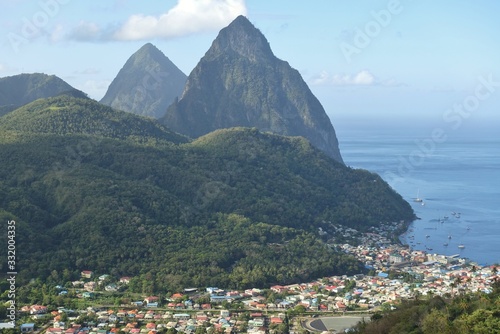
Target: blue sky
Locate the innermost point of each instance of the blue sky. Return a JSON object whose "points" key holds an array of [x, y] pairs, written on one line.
{"points": [[364, 60]]}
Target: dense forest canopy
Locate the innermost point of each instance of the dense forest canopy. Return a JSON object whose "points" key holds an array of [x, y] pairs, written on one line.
{"points": [[94, 188]]}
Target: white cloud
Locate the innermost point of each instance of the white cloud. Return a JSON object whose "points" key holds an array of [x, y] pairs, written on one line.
{"points": [[361, 78], [88, 71], [87, 31], [4, 68], [187, 17], [57, 34]]}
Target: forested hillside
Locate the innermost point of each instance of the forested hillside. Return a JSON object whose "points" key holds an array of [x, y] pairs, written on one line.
{"points": [[94, 188]]}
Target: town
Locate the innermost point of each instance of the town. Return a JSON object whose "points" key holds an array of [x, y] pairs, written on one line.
{"points": [[394, 272]]}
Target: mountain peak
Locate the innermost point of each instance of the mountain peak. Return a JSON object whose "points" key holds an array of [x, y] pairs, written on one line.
{"points": [[243, 38], [240, 83], [21, 89], [147, 84], [150, 51]]}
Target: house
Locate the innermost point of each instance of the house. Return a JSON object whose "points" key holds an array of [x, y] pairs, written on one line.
{"points": [[38, 309], [90, 286], [177, 296], [87, 274], [27, 328], [341, 306], [59, 324], [151, 299], [396, 258], [181, 316], [125, 280], [224, 313], [103, 277], [88, 294]]}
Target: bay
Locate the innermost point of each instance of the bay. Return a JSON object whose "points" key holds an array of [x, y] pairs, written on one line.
{"points": [[458, 180]]}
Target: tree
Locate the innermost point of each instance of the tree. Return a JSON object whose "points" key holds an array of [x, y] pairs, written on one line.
{"points": [[436, 322]]}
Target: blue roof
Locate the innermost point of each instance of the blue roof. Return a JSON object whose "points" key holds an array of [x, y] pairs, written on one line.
{"points": [[29, 325], [382, 274]]}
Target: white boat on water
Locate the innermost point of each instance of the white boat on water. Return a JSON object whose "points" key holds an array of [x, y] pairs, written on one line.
{"points": [[418, 199], [461, 246]]}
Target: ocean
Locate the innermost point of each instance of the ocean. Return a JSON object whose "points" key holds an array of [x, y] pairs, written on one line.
{"points": [[457, 179]]}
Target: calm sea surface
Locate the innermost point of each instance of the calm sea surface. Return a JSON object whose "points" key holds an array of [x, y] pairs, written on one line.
{"points": [[458, 181]]}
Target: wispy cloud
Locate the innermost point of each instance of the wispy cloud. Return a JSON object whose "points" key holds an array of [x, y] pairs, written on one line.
{"points": [[88, 71], [88, 31], [361, 78], [185, 18], [4, 68]]}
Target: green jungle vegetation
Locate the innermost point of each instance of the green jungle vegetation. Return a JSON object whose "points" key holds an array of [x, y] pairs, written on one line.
{"points": [[477, 313], [92, 188]]}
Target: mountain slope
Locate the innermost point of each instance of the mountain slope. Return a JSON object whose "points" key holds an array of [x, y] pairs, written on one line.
{"points": [[146, 85], [21, 89], [239, 82], [67, 115], [235, 208]]}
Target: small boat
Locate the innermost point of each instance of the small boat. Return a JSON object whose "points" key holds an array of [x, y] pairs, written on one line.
{"points": [[461, 246], [468, 228], [418, 199], [449, 237], [445, 217], [445, 244], [427, 236]]}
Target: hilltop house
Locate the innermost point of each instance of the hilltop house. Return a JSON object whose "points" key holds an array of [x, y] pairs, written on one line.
{"points": [[87, 274]]}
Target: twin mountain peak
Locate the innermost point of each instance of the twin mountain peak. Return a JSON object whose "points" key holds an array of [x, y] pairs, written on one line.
{"points": [[238, 82]]}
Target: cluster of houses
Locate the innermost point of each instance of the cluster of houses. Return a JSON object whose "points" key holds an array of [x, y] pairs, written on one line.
{"points": [[151, 321], [397, 272]]}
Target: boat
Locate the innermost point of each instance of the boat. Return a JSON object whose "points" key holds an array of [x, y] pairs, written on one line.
{"points": [[427, 236], [449, 237], [461, 246], [445, 244], [418, 199]]}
